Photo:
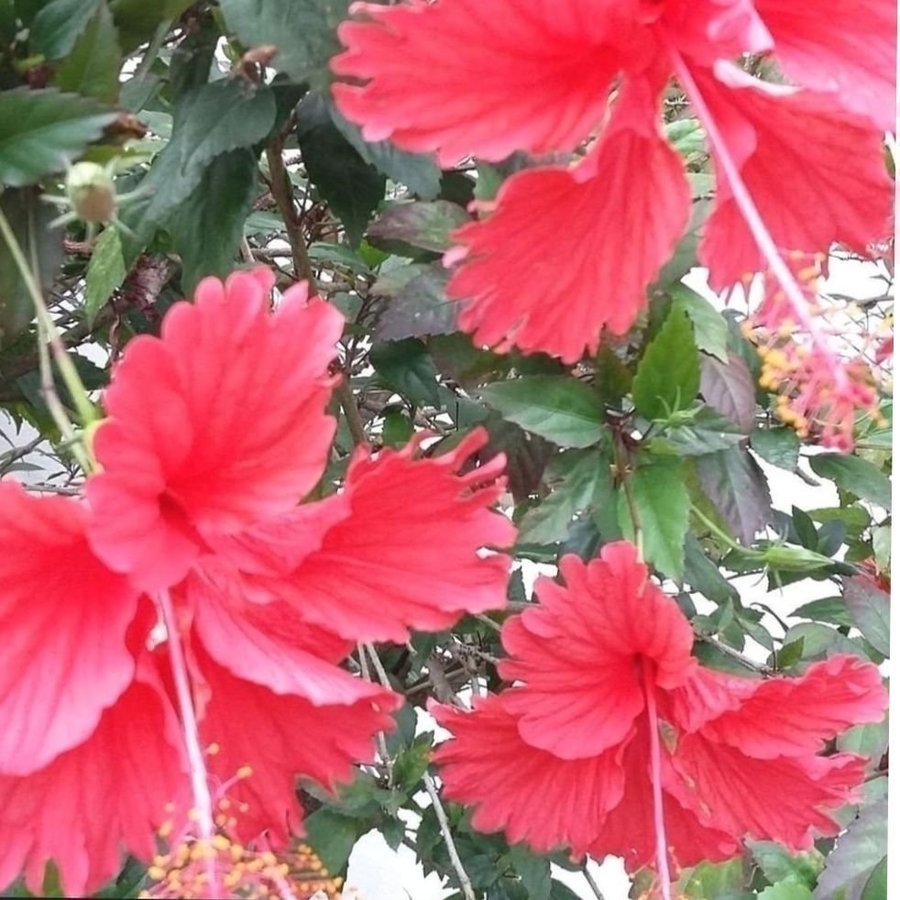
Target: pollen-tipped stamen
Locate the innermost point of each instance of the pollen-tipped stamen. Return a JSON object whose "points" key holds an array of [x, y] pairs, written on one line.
{"points": [[804, 316], [203, 803]]}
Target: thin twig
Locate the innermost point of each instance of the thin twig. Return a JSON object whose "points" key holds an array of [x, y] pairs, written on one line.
{"points": [[380, 739], [464, 883], [591, 883], [284, 199], [355, 426], [736, 655]]}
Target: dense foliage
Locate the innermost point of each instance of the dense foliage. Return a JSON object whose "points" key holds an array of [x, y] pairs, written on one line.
{"points": [[515, 341]]}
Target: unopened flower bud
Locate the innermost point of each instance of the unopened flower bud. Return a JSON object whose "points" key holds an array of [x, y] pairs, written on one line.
{"points": [[92, 193]]}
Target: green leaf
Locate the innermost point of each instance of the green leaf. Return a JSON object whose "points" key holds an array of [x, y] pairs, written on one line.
{"points": [[422, 224], [576, 473], [216, 209], [560, 891], [663, 505], [714, 881], [393, 831], [728, 388], [534, 871], [710, 329], [789, 889], [29, 219], [209, 121], [397, 428], [790, 654], [332, 836], [876, 885], [406, 367], [858, 476], [668, 376], [418, 171], [419, 307], [778, 865], [870, 608], [105, 272], [304, 31], [737, 489], [41, 131], [137, 20], [870, 741], [706, 431], [705, 576], [349, 185], [57, 26], [92, 68], [858, 853], [557, 408], [778, 446], [828, 609]]}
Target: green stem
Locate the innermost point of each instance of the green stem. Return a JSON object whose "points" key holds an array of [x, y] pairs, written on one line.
{"points": [[721, 535], [50, 336], [622, 470]]}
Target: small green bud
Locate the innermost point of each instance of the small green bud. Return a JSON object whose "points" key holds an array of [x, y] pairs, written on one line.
{"points": [[92, 193]]}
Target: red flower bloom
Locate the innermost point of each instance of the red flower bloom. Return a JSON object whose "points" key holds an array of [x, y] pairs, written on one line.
{"points": [[638, 750], [215, 425], [547, 71], [110, 792], [278, 737], [64, 617], [217, 429], [407, 553]]}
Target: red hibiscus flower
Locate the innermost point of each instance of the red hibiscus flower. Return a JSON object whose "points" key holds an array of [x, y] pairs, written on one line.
{"points": [[539, 79], [217, 430], [614, 740]]}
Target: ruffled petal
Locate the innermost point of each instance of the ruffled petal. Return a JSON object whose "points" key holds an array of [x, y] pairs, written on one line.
{"points": [[786, 799], [792, 148], [795, 716], [281, 737], [107, 794], [568, 252], [215, 425], [709, 30], [530, 794], [847, 48], [629, 830], [269, 644], [579, 653], [64, 618], [488, 79], [408, 555]]}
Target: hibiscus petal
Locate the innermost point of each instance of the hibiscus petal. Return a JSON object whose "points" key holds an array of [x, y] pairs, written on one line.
{"points": [[107, 793], [792, 148], [280, 737], [526, 282], [530, 794], [787, 799], [215, 425], [629, 830], [407, 556], [269, 644], [64, 618], [844, 47], [709, 30], [488, 80], [584, 643], [794, 716], [277, 546]]}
